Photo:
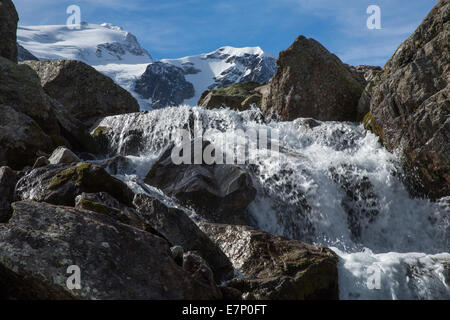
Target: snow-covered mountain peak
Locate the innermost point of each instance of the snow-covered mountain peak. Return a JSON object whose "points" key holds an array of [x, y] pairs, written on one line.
{"points": [[93, 44], [237, 52]]}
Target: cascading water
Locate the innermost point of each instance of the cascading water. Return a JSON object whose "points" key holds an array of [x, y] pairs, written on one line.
{"points": [[331, 184]]}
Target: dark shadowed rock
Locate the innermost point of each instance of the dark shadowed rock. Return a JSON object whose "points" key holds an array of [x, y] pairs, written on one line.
{"points": [[219, 192], [8, 30], [180, 230], [86, 93], [194, 264], [238, 96], [21, 139], [8, 180], [410, 104], [274, 267], [60, 184], [20, 88], [165, 84], [103, 203], [116, 261], [312, 83]]}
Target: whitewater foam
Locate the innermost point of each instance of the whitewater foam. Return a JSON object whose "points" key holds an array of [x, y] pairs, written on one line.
{"points": [[334, 185]]}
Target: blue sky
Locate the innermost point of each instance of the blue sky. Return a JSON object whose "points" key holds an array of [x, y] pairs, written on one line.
{"points": [[177, 28]]}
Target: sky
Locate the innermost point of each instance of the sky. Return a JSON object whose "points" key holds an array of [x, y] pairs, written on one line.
{"points": [[178, 28]]}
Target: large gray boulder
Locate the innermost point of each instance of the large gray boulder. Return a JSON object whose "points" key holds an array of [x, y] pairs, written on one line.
{"points": [[180, 230], [22, 140], [274, 267], [21, 89], [219, 192], [8, 30], [410, 104], [116, 261], [313, 83], [87, 94]]}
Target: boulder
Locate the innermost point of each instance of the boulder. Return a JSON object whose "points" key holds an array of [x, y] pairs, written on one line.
{"points": [[63, 155], [410, 104], [115, 261], [312, 83], [20, 88], [40, 162], [22, 140], [238, 96], [274, 267], [8, 180], [219, 192], [180, 230], [198, 267], [87, 94], [61, 184], [103, 203], [8, 30]]}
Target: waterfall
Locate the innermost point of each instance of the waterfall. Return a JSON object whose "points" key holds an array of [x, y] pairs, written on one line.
{"points": [[330, 183]]}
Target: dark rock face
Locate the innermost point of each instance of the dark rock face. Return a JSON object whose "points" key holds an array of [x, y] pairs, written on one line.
{"points": [[21, 139], [8, 28], [165, 84], [180, 230], [103, 203], [275, 267], [410, 104], [8, 180], [60, 184], [313, 83], [219, 192], [84, 92], [239, 96], [24, 55], [20, 88], [116, 261], [201, 272]]}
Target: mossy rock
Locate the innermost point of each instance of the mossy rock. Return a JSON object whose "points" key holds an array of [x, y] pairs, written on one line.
{"points": [[238, 96]]}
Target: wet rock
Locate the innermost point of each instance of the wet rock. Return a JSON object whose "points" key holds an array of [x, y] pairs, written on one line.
{"points": [[179, 229], [60, 184], [8, 180], [63, 155], [410, 104], [274, 267], [219, 192], [177, 254], [116, 261], [8, 30], [359, 200], [40, 162], [200, 271], [87, 94], [312, 83]]}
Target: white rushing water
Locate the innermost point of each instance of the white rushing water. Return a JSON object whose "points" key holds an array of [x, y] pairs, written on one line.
{"points": [[331, 184]]}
